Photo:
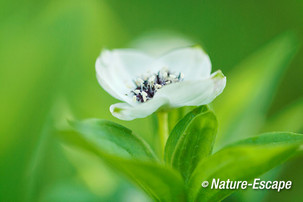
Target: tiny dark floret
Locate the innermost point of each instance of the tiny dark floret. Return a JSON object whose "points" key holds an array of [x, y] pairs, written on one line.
{"points": [[147, 87]]}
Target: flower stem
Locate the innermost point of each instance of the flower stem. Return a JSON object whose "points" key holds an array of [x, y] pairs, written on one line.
{"points": [[163, 129]]}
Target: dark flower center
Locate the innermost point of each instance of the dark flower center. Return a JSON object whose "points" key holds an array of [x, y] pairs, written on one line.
{"points": [[146, 87]]}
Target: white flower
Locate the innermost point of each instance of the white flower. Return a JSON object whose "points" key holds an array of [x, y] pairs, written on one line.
{"points": [[146, 84]]}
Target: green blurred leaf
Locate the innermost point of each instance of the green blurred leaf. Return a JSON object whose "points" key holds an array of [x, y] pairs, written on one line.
{"points": [[160, 182], [114, 138], [242, 108], [191, 140], [53, 41], [67, 190], [273, 138], [243, 160], [289, 119]]}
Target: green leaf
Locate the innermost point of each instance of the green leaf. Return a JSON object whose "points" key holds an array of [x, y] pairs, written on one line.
{"points": [[191, 140], [272, 138], [160, 182], [243, 160], [175, 115], [242, 108], [114, 138], [290, 118], [179, 129]]}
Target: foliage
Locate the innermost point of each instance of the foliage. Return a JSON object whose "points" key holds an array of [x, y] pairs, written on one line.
{"points": [[243, 160]]}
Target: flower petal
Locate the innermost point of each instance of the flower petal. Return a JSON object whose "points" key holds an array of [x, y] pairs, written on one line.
{"points": [[187, 93], [128, 112], [193, 62], [193, 93], [116, 70]]}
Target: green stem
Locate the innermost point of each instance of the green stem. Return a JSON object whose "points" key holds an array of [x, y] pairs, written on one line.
{"points": [[163, 129]]}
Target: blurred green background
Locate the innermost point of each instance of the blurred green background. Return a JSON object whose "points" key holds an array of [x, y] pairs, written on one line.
{"points": [[47, 75]]}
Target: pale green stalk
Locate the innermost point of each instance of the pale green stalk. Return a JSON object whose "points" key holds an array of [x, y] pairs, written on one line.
{"points": [[163, 129]]}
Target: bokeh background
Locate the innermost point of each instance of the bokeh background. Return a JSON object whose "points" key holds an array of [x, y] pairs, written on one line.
{"points": [[47, 55]]}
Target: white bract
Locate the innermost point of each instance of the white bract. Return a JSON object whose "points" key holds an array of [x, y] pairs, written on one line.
{"points": [[145, 84]]}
